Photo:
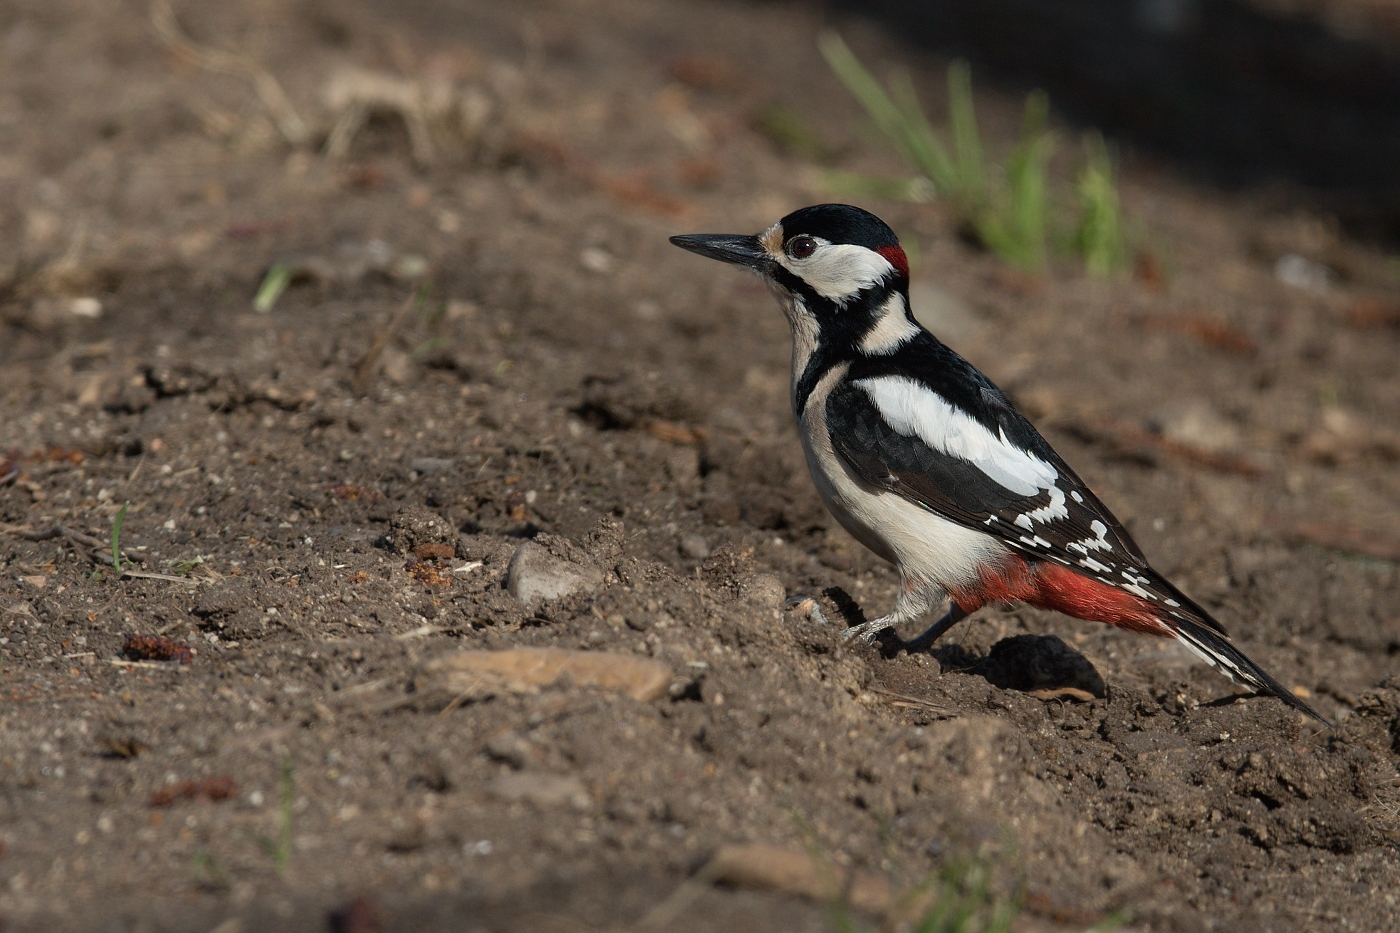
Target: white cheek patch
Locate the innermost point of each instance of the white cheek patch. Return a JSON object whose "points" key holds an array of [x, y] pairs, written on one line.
{"points": [[838, 271], [892, 328], [912, 409]]}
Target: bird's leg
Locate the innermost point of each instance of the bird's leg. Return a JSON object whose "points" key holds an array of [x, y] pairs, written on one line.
{"points": [[915, 600], [952, 617]]}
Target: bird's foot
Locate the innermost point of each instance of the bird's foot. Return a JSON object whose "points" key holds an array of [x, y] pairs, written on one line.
{"points": [[809, 607], [866, 632]]}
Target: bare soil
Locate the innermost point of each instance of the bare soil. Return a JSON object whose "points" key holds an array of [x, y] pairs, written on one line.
{"points": [[322, 498]]}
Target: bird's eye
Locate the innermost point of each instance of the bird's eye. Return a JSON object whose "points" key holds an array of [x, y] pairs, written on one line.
{"points": [[802, 247]]}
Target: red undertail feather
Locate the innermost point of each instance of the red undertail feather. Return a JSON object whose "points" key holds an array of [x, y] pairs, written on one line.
{"points": [[1051, 586]]}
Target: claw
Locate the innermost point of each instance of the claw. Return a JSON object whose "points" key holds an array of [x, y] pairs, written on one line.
{"points": [[864, 634]]}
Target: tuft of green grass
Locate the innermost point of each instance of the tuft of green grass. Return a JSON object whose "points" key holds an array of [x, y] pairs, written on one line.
{"points": [[960, 898], [966, 902], [907, 128], [1099, 236], [1007, 207], [116, 540], [1015, 225]]}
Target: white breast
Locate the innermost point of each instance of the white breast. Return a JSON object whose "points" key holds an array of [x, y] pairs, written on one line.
{"points": [[923, 545]]}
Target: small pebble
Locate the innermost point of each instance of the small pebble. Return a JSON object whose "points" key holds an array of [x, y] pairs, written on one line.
{"points": [[431, 465], [596, 260]]}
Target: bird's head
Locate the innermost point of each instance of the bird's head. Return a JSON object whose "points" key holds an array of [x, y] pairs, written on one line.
{"points": [[839, 270]]}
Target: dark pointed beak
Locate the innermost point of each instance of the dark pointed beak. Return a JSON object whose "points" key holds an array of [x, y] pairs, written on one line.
{"points": [[727, 247]]}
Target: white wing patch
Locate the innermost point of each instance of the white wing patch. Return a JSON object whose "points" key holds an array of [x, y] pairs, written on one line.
{"points": [[913, 409], [837, 271]]}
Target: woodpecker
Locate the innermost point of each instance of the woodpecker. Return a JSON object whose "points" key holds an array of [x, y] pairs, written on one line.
{"points": [[928, 464]]}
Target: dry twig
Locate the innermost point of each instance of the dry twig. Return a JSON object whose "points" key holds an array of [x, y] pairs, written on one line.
{"points": [[289, 122], [362, 375]]}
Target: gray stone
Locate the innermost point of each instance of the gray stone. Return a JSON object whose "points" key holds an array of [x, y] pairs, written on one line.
{"points": [[542, 790], [511, 748], [535, 575], [432, 465]]}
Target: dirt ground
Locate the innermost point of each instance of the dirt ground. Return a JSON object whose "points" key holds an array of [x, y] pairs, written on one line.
{"points": [[324, 498]]}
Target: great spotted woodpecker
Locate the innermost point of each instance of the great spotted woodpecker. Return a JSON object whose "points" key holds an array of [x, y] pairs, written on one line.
{"points": [[928, 464]]}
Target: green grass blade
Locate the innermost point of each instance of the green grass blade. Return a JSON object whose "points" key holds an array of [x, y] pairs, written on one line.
{"points": [[1027, 189], [967, 142], [863, 85], [116, 540], [1099, 236], [888, 117], [929, 155], [272, 287]]}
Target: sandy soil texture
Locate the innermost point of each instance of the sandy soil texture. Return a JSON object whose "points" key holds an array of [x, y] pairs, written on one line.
{"points": [[495, 410]]}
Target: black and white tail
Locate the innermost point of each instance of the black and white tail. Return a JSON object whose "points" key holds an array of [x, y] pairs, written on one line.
{"points": [[1217, 651]]}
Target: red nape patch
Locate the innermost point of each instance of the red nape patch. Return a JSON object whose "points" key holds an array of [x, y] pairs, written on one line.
{"points": [[1051, 586], [896, 258]]}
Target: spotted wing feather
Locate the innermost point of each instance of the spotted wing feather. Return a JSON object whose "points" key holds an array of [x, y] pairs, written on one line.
{"points": [[1082, 536]]}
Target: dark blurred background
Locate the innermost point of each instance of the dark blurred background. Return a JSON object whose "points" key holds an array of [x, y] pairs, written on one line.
{"points": [[1305, 93]]}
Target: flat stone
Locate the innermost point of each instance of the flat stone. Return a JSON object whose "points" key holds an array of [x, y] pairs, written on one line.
{"points": [[793, 871], [432, 465], [535, 576], [468, 675], [542, 790]]}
